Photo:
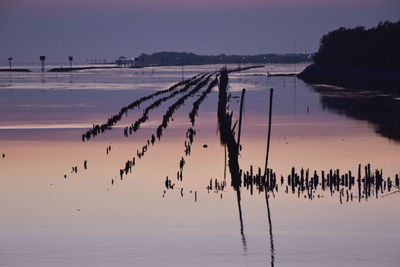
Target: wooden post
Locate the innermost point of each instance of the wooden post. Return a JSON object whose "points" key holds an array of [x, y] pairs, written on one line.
{"points": [[265, 173], [269, 129], [240, 118]]}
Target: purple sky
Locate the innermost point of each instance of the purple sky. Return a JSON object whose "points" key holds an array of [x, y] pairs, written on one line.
{"points": [[101, 29]]}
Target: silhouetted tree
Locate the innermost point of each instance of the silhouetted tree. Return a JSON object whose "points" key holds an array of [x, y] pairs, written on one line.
{"points": [[375, 48]]}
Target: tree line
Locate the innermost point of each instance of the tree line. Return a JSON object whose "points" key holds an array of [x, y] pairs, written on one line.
{"points": [[375, 48], [178, 58]]}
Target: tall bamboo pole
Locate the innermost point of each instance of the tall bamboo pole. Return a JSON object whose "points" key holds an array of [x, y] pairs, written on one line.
{"points": [[240, 118], [265, 174]]}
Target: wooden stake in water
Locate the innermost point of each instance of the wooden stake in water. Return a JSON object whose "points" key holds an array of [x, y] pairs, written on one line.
{"points": [[240, 118], [269, 129], [265, 173]]}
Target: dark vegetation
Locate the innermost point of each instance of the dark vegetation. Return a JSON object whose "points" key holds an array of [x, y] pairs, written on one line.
{"points": [[67, 69], [376, 48], [175, 58], [358, 58], [373, 80], [14, 70]]}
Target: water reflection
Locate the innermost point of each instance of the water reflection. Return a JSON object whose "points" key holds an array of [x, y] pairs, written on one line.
{"points": [[301, 183], [241, 222], [227, 138], [305, 186], [99, 129], [382, 111], [199, 83]]}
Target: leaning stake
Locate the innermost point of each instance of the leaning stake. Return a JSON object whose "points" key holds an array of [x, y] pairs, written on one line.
{"points": [[269, 129], [265, 175], [240, 117]]}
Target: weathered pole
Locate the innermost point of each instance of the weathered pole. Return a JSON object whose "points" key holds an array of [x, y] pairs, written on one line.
{"points": [[265, 174], [269, 128], [240, 118]]}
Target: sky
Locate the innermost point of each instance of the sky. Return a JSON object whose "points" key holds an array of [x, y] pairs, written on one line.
{"points": [[107, 29]]}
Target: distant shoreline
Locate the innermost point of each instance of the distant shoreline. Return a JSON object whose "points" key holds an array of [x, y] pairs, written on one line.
{"points": [[183, 58], [82, 68], [368, 79], [14, 70]]}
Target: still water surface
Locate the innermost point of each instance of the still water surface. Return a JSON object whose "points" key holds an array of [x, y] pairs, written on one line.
{"points": [[83, 220]]}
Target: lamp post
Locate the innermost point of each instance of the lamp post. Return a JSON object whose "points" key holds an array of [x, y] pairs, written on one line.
{"points": [[70, 58], [9, 61], [42, 59]]}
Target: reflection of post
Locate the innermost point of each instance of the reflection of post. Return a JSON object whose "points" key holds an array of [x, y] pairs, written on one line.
{"points": [[271, 238], [241, 221], [225, 167], [265, 174]]}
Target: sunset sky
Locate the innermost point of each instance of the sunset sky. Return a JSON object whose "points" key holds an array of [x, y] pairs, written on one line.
{"points": [[102, 29]]}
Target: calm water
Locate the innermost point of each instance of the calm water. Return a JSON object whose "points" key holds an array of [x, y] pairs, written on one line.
{"points": [[84, 220]]}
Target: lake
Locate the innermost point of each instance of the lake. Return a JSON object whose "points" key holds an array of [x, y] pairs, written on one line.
{"points": [[56, 212]]}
